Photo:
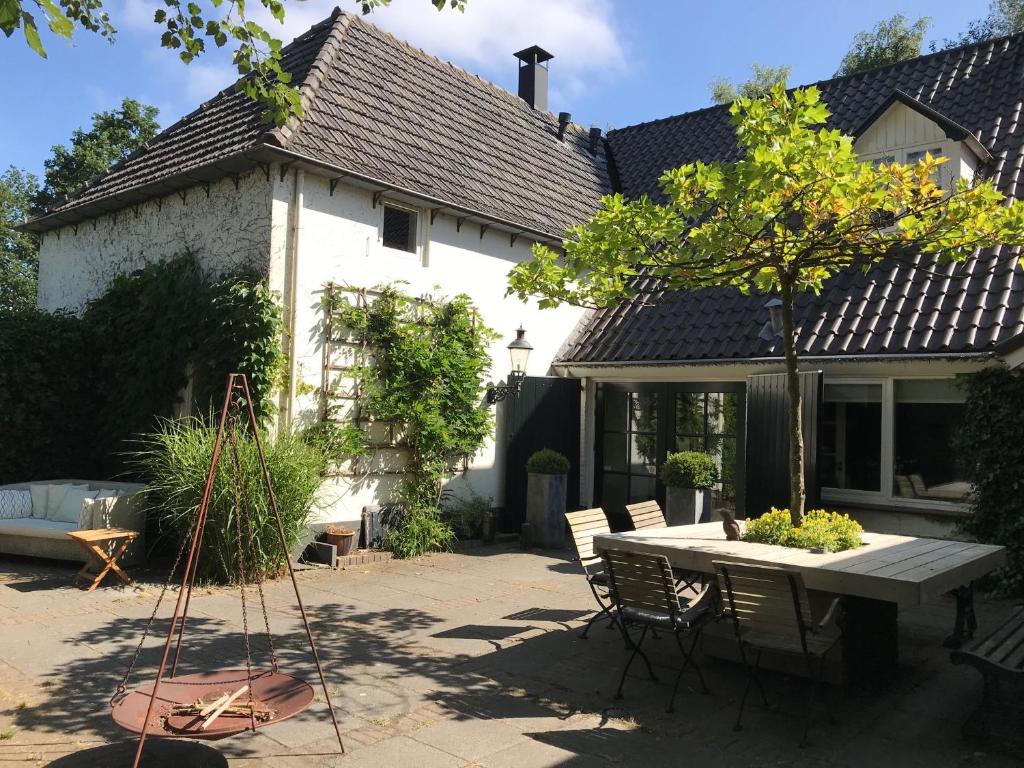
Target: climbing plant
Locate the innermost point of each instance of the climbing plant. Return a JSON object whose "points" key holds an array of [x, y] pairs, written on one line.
{"points": [[75, 391], [426, 375], [989, 444]]}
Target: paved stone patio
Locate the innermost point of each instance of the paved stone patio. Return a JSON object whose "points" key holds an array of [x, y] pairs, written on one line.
{"points": [[461, 659]]}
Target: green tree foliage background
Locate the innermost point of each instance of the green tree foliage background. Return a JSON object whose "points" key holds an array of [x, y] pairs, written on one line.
{"points": [[19, 251], [762, 79], [892, 40], [114, 135]]}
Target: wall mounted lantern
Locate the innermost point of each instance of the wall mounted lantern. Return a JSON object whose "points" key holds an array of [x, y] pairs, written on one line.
{"points": [[519, 353]]}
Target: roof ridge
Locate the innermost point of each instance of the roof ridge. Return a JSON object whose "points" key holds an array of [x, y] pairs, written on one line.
{"points": [[315, 75], [835, 78]]}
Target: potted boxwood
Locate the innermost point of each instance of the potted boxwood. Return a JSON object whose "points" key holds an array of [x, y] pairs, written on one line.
{"points": [[687, 476], [547, 477]]}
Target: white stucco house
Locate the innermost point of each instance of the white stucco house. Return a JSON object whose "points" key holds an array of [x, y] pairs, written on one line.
{"points": [[405, 167]]}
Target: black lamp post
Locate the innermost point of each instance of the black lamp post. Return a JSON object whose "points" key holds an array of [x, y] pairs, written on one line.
{"points": [[519, 353]]}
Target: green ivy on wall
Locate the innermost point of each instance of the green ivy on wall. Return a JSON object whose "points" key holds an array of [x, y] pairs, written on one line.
{"points": [[74, 392], [427, 374], [990, 445]]}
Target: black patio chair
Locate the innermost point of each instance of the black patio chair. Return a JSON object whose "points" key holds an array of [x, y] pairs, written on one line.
{"points": [[584, 526], [644, 591], [770, 610]]}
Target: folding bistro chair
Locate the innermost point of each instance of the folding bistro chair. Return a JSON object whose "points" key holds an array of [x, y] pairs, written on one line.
{"points": [[646, 514], [770, 610], [584, 525], [644, 592]]}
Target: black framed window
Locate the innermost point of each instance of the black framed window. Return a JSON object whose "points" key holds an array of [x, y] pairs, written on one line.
{"points": [[399, 229], [638, 424]]}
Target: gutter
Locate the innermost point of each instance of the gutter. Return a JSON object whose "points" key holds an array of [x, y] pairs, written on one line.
{"points": [[774, 360]]}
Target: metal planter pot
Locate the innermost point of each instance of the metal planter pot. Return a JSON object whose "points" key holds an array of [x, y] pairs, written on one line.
{"points": [[545, 510], [686, 506]]}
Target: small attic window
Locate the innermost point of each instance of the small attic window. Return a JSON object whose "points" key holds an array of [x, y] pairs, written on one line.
{"points": [[399, 228]]}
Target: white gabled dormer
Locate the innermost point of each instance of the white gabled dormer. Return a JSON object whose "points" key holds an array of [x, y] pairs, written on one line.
{"points": [[902, 129]]}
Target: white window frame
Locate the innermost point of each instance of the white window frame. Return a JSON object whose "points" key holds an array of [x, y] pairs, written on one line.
{"points": [[418, 252], [950, 149], [885, 497]]}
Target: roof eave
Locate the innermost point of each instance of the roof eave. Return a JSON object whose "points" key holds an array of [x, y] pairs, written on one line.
{"points": [[895, 357]]}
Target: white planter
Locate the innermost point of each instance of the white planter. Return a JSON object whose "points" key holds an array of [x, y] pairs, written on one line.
{"points": [[545, 510], [686, 506]]}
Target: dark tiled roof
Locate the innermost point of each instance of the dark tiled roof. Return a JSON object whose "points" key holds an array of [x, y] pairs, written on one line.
{"points": [[376, 107], [893, 309]]}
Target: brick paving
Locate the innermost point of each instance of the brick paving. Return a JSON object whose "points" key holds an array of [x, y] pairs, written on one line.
{"points": [[463, 659]]}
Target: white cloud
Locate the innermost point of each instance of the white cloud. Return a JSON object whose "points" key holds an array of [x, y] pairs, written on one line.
{"points": [[580, 33]]}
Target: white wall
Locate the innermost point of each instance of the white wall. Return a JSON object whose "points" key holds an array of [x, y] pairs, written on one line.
{"points": [[338, 241], [225, 229]]}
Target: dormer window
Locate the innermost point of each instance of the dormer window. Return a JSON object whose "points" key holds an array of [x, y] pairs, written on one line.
{"points": [[903, 129]]}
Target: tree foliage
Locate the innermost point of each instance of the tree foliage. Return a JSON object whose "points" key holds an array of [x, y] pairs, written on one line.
{"points": [[762, 79], [795, 210], [114, 135], [1005, 17], [19, 251], [891, 41], [190, 28]]}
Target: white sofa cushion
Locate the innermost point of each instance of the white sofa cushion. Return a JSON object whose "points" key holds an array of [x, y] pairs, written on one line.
{"points": [[67, 508], [40, 496], [96, 513], [15, 504], [34, 527]]}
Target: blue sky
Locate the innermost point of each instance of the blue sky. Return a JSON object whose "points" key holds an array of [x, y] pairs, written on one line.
{"points": [[616, 63]]}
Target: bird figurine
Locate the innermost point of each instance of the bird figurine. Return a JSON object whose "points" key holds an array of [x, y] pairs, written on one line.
{"points": [[729, 524]]}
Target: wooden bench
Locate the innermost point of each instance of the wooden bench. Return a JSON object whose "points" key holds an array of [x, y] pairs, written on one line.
{"points": [[999, 657]]}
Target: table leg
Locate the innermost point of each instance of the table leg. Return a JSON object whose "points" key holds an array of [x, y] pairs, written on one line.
{"points": [[966, 622], [870, 640]]}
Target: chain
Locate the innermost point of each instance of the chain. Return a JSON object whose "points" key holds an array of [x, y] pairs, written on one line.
{"points": [[237, 472], [122, 687]]}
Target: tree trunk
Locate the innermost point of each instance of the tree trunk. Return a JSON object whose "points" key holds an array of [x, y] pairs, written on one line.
{"points": [[797, 491]]}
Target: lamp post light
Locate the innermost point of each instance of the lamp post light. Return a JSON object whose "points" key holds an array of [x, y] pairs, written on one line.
{"points": [[519, 353]]}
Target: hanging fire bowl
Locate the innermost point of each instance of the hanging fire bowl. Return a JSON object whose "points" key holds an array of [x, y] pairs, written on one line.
{"points": [[275, 695]]}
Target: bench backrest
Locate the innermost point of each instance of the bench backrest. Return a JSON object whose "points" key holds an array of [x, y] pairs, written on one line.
{"points": [[646, 514]]}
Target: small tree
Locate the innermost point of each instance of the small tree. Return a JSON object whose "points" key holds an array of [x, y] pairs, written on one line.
{"points": [[891, 41], [798, 208], [725, 91]]}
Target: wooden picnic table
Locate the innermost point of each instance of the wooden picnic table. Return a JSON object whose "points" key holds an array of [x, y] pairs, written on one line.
{"points": [[887, 573]]}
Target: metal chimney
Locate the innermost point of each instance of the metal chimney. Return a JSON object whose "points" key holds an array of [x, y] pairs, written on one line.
{"points": [[564, 118], [533, 76]]}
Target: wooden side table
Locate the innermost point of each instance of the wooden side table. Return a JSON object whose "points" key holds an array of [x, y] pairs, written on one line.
{"points": [[95, 542]]}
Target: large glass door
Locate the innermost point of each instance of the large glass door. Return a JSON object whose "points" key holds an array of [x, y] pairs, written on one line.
{"points": [[639, 424], [629, 449]]}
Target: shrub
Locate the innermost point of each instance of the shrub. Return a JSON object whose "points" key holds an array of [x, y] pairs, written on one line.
{"points": [[547, 462], [819, 528], [990, 446], [416, 532], [689, 469], [830, 530], [175, 461], [773, 527], [465, 514]]}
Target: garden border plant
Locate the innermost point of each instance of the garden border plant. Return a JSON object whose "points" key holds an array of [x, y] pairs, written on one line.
{"points": [[819, 528], [427, 373]]}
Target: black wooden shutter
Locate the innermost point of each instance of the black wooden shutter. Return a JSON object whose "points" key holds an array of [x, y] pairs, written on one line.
{"points": [[767, 452], [545, 414]]}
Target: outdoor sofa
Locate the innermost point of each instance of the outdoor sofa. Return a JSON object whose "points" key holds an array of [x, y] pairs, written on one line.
{"points": [[35, 519]]}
